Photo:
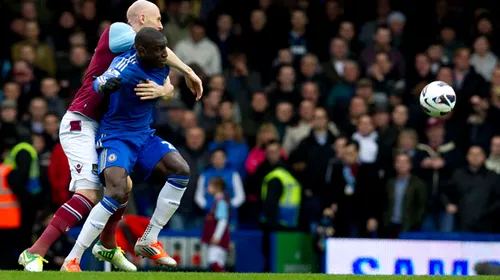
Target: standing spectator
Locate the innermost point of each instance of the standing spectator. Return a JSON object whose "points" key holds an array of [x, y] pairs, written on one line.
{"points": [[342, 92], [10, 129], [472, 194], [310, 92], [437, 57], [483, 60], [348, 34], [189, 215], [435, 163], [348, 119], [197, 48], [353, 184], [383, 44], [23, 75], [229, 137], [27, 53], [51, 130], [367, 138], [309, 162], [241, 80], [294, 134], [406, 200], [493, 161], [396, 22], [309, 71], [208, 117], [234, 186], [50, 92], [44, 53], [177, 27]]}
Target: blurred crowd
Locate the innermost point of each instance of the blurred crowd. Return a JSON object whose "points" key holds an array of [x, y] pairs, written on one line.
{"points": [[310, 112]]}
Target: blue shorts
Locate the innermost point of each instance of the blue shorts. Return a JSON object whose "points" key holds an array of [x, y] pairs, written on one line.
{"points": [[138, 151]]}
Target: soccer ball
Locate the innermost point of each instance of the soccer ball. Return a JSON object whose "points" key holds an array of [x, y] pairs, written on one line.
{"points": [[437, 99]]}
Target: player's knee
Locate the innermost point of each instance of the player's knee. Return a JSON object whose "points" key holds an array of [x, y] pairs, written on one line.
{"points": [[116, 184], [182, 168], [92, 195]]}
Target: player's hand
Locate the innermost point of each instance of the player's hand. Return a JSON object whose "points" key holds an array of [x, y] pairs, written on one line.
{"points": [[110, 86], [214, 241], [194, 84], [150, 90]]}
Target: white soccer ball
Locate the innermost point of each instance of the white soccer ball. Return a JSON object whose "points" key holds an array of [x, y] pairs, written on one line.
{"points": [[437, 99]]}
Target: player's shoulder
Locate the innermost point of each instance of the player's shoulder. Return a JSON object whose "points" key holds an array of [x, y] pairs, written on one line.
{"points": [[121, 37]]}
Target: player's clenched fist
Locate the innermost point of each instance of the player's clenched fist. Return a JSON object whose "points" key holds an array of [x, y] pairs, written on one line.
{"points": [[110, 86]]}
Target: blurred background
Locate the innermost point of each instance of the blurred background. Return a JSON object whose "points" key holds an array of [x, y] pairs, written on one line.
{"points": [[327, 90]]}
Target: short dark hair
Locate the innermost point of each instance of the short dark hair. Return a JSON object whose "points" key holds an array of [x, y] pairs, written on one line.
{"points": [[146, 36], [272, 142], [353, 143], [218, 181]]}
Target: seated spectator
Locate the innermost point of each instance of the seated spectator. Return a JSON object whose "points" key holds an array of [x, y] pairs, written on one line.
{"points": [[168, 123], [334, 68], [44, 53], [177, 27], [11, 91], [405, 201], [310, 92], [472, 194], [283, 117], [234, 186], [51, 124], [227, 112], [50, 92], [354, 183], [437, 58], [257, 113], [208, 116], [284, 89], [348, 118], [241, 80], [367, 138], [309, 72], [267, 133], [229, 137], [493, 161], [37, 110], [295, 133], [383, 75], [342, 92], [197, 48], [189, 120]]}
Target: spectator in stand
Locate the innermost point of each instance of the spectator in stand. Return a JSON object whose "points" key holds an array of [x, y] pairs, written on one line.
{"points": [[367, 137], [493, 161], [309, 162], [383, 44], [241, 80], [234, 185], [385, 78], [348, 34], [189, 120], [197, 48], [483, 60], [177, 27], [480, 126], [334, 68], [257, 113], [229, 137], [171, 127], [9, 128], [343, 91], [23, 75], [224, 38], [65, 27], [51, 130], [396, 22], [405, 201], [44, 53], [208, 117], [435, 163], [422, 71], [473, 194], [309, 71], [37, 111], [283, 117], [285, 89], [27, 53], [50, 92], [189, 215], [436, 57], [266, 134], [369, 28], [71, 76], [11, 91], [294, 134], [353, 184], [310, 92], [298, 38]]}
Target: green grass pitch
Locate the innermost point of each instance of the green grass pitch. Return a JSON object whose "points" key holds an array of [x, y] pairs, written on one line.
{"points": [[19, 275]]}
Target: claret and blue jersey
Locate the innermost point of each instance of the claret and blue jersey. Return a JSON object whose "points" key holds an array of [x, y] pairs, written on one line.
{"points": [[125, 137]]}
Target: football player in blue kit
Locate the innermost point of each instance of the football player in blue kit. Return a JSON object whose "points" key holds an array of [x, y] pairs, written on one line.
{"points": [[126, 141]]}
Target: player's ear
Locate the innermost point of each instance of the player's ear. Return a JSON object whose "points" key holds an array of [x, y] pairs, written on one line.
{"points": [[140, 51]]}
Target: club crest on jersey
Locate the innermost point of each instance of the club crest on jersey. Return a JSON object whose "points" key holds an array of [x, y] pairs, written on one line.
{"points": [[94, 168], [111, 157]]}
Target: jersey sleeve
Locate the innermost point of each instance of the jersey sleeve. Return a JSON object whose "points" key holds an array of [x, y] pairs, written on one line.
{"points": [[112, 72], [121, 37], [222, 210]]}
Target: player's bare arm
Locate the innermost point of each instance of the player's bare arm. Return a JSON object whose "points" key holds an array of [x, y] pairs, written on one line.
{"points": [[192, 80]]}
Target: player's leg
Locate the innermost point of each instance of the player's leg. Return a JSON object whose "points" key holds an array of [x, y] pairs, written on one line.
{"points": [[216, 258], [172, 171], [77, 136], [114, 165]]}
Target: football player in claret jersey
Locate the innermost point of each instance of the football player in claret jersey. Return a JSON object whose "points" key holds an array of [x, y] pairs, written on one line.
{"points": [[78, 130], [126, 141]]}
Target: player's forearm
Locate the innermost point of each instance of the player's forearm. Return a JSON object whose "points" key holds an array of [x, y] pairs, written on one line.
{"points": [[220, 228], [174, 61]]}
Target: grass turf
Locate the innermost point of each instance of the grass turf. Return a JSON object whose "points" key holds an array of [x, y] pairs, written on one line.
{"points": [[20, 275]]}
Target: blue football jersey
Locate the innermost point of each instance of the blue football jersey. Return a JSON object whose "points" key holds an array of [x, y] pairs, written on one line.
{"points": [[126, 111]]}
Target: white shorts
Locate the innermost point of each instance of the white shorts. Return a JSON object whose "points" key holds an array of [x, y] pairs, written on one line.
{"points": [[77, 135], [216, 254]]}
